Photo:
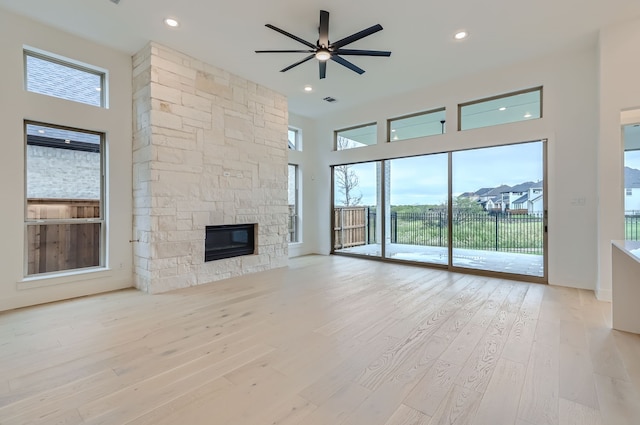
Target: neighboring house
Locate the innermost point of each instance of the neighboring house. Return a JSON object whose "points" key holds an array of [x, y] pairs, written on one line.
{"points": [[631, 190], [513, 194], [524, 198]]}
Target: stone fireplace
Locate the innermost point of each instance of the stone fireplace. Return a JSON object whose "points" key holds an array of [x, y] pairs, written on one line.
{"points": [[210, 148]]}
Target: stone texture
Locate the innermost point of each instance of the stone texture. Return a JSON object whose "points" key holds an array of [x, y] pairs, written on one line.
{"points": [[209, 148]]}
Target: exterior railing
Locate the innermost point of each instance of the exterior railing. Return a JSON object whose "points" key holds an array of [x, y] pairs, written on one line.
{"points": [[632, 225], [522, 233]]}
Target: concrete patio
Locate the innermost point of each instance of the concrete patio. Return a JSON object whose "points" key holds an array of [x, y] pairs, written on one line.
{"points": [[496, 261]]}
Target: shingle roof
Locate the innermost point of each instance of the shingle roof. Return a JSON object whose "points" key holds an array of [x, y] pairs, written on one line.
{"points": [[523, 198], [631, 178], [63, 81]]}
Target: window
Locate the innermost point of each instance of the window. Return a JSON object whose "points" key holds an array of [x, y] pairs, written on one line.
{"points": [[356, 137], [417, 125], [64, 211], [294, 222], [62, 79], [513, 107], [629, 192], [294, 139]]}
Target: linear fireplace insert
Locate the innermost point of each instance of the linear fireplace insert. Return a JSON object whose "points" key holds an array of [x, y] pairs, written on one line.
{"points": [[231, 240]]}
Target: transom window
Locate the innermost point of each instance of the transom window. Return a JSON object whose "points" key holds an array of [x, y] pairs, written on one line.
{"points": [[417, 125], [64, 79], [356, 137], [513, 107], [294, 139]]}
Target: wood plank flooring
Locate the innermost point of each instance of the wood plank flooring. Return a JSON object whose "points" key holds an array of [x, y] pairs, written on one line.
{"points": [[326, 341]]}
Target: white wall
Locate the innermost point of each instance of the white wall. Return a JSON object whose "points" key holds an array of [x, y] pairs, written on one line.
{"points": [[16, 105], [619, 74], [569, 123]]}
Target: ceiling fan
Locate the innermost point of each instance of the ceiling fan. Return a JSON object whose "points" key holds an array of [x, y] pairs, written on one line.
{"points": [[323, 50]]}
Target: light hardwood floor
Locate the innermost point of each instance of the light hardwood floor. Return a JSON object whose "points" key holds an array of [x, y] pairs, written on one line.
{"points": [[326, 341]]}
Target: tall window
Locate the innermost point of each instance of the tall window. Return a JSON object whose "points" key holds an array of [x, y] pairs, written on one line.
{"points": [[64, 211], [294, 213], [632, 181], [53, 77]]}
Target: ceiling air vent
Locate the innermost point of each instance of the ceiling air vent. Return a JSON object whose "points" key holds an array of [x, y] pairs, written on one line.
{"points": [[330, 99]]}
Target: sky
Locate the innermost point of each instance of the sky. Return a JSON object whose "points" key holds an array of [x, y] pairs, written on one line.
{"points": [[423, 180], [632, 159]]}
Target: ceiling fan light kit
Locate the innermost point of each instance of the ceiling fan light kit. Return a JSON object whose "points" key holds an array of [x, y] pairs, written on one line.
{"points": [[324, 50]]}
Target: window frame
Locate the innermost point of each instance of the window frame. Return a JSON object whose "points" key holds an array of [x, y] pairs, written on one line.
{"points": [[69, 63], [416, 114], [501, 96], [102, 220]]}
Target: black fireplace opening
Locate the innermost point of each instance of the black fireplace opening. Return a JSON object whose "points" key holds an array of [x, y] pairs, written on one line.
{"points": [[231, 240]]}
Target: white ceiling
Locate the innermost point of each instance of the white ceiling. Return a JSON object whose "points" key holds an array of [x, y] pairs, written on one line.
{"points": [[419, 33]]}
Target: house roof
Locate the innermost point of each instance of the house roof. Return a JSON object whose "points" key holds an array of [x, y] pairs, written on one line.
{"points": [[496, 191], [523, 198], [631, 178], [522, 187], [225, 35], [483, 191]]}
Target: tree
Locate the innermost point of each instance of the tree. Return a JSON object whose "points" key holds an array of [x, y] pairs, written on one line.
{"points": [[346, 180], [465, 205], [346, 183]]}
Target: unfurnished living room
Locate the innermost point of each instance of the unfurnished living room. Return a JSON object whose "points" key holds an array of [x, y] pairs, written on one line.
{"points": [[331, 213]]}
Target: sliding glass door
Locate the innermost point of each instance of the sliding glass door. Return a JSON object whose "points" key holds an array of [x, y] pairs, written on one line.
{"points": [[481, 209], [498, 209], [357, 226], [417, 190]]}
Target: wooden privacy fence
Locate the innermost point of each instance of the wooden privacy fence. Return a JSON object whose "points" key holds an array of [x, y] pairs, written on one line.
{"points": [[350, 227], [62, 246]]}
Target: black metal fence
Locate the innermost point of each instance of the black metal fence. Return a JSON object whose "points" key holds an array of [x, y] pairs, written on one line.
{"points": [[522, 233], [632, 225]]}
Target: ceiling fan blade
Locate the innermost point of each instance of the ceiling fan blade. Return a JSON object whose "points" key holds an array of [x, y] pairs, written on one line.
{"points": [[347, 64], [298, 63], [284, 51], [298, 39], [362, 52], [357, 36], [323, 69], [323, 40]]}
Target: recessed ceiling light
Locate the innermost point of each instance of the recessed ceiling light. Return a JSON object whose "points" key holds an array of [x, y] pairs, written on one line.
{"points": [[41, 131], [461, 35], [171, 22], [308, 88], [67, 141], [502, 109], [527, 115]]}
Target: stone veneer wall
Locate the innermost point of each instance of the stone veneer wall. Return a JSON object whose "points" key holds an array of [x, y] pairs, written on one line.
{"points": [[209, 148]]}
